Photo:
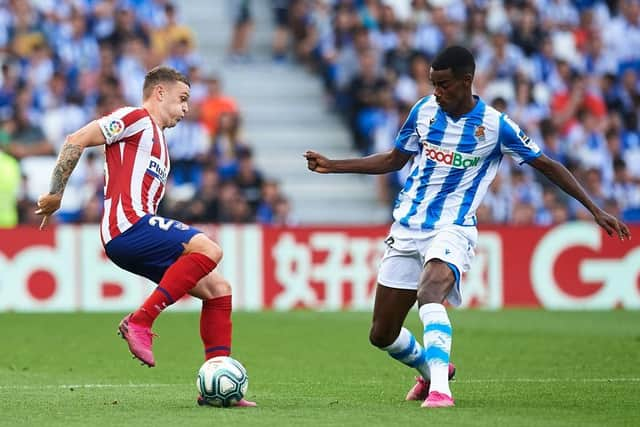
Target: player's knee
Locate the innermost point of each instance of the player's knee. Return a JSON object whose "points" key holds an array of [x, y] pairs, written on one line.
{"points": [[380, 337], [432, 292], [203, 245], [211, 286], [214, 251], [436, 283], [220, 288]]}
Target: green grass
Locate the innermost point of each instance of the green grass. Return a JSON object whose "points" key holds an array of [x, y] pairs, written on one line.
{"points": [[515, 368]]}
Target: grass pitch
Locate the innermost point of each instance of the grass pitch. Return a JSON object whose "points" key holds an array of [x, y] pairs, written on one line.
{"points": [[515, 368]]}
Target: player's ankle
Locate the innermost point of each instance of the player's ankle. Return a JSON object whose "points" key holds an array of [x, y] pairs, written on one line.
{"points": [[142, 318]]}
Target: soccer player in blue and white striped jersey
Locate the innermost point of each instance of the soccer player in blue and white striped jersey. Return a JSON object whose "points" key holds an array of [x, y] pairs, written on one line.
{"points": [[455, 141]]}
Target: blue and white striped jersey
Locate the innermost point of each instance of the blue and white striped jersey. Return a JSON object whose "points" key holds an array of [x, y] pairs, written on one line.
{"points": [[455, 161]]}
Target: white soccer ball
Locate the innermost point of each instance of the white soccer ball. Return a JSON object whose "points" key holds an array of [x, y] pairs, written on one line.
{"points": [[222, 381]]}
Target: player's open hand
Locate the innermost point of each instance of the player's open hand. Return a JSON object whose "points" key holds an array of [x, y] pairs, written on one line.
{"points": [[47, 205], [317, 162], [612, 225]]}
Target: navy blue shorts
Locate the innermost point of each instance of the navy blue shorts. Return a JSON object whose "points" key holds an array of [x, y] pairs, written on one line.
{"points": [[150, 246]]}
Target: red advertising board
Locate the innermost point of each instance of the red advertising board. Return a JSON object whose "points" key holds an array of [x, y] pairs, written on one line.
{"points": [[574, 266], [324, 268]]}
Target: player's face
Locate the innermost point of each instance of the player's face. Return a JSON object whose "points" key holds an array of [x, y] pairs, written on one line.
{"points": [[175, 103], [450, 91]]}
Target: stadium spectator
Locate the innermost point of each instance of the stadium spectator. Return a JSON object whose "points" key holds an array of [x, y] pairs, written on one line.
{"points": [[242, 29], [214, 104], [248, 179], [25, 137], [9, 187], [163, 36], [575, 56], [188, 145], [282, 213], [232, 205], [125, 27], [65, 63], [270, 192], [204, 206], [364, 90], [281, 33], [304, 34], [227, 145], [546, 60], [624, 190]]}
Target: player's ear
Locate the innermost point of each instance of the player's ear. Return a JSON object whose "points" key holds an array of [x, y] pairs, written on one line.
{"points": [[467, 79], [160, 92]]}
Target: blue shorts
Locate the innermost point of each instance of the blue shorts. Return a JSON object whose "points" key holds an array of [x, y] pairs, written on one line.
{"points": [[150, 246]]}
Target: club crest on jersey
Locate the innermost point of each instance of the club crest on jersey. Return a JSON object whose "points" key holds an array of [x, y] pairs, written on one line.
{"points": [[479, 133], [157, 169], [115, 127], [450, 158]]}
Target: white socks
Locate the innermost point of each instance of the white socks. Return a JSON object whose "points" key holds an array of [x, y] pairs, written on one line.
{"points": [[408, 351], [437, 344]]}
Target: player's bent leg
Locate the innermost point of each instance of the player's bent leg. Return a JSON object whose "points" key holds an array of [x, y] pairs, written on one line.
{"points": [[215, 320], [390, 310], [200, 256]]}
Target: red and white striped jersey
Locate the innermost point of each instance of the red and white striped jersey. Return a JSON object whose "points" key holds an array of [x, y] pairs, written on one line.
{"points": [[136, 169]]}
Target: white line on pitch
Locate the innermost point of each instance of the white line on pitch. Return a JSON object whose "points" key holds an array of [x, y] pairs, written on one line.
{"points": [[462, 381], [74, 386]]}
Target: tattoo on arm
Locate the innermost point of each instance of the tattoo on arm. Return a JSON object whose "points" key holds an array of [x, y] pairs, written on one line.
{"points": [[67, 161]]}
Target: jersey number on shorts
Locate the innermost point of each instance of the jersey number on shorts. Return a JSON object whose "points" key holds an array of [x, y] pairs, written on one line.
{"points": [[163, 223]]}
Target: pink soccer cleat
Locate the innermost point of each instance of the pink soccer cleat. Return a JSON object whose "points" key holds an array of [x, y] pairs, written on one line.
{"points": [[421, 388], [243, 403], [438, 400], [139, 338]]}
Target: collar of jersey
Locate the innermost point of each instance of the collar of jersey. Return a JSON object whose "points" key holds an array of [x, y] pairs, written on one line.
{"points": [[473, 111]]}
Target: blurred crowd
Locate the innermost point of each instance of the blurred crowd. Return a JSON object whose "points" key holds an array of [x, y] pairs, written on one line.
{"points": [[66, 62], [565, 71]]}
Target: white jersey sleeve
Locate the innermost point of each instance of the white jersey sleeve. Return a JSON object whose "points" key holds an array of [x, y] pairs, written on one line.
{"points": [[514, 142]]}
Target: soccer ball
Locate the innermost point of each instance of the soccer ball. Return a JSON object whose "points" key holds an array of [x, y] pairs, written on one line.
{"points": [[222, 381]]}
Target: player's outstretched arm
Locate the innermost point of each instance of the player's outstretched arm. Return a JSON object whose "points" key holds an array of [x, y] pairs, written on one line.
{"points": [[88, 136], [374, 164], [564, 179]]}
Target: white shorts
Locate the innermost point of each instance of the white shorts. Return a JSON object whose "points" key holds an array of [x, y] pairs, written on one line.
{"points": [[409, 250]]}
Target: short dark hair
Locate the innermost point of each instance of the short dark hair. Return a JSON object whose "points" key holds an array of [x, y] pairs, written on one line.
{"points": [[459, 59], [161, 74]]}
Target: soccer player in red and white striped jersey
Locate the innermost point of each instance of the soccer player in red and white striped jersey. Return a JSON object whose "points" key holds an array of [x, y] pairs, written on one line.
{"points": [[179, 258]]}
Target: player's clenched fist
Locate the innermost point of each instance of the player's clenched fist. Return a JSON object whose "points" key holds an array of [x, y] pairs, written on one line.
{"points": [[317, 162]]}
